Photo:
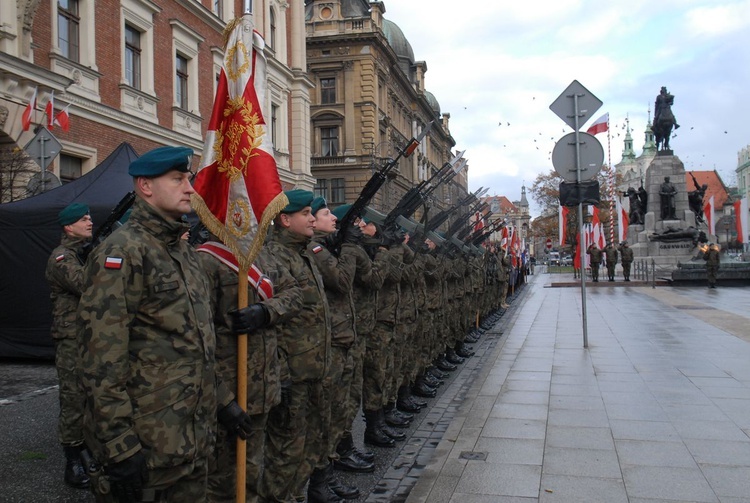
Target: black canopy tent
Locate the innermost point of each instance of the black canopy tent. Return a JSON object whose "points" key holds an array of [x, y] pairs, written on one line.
{"points": [[28, 233]]}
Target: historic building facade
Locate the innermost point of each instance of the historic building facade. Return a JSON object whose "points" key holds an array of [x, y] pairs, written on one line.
{"points": [[145, 73], [369, 100]]}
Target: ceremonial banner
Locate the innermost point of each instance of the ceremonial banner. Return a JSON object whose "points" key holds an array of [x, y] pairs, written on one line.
{"points": [[238, 190]]}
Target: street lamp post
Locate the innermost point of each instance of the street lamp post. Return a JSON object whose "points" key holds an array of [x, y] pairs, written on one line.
{"points": [[726, 227]]}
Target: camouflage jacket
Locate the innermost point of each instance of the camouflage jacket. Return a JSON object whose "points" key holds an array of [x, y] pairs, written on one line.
{"points": [[368, 279], [263, 388], [611, 253], [596, 255], [627, 254], [299, 306], [407, 311], [148, 342], [65, 277], [433, 277], [503, 266], [389, 296], [338, 277]]}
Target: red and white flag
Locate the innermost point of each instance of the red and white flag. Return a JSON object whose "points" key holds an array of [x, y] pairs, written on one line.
{"points": [[49, 111], [28, 112], [708, 213], [600, 125], [62, 119], [562, 224], [622, 222], [478, 222], [741, 219], [238, 190], [504, 238]]}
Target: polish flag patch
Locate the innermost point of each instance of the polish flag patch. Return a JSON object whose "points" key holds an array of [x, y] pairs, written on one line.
{"points": [[317, 249], [59, 257], [113, 263]]}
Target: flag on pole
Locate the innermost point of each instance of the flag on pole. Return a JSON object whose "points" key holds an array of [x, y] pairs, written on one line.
{"points": [[562, 224], [49, 111], [741, 219], [27, 113], [708, 213], [504, 238], [478, 222], [622, 222], [600, 125], [238, 190], [62, 119]]}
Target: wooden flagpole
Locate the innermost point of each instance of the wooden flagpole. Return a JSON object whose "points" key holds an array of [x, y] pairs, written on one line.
{"points": [[241, 388]]}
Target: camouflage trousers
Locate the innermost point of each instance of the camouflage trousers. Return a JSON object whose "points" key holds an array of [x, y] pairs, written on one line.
{"points": [[186, 482], [626, 270], [354, 401], [378, 367], [222, 464], [294, 441], [711, 272], [402, 349], [72, 396], [336, 388], [611, 270]]}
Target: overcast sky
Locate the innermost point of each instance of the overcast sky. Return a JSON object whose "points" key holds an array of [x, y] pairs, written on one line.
{"points": [[497, 65]]}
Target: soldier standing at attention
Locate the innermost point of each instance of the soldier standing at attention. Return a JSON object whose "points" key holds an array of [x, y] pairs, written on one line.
{"points": [[65, 277], [147, 345], [711, 256], [596, 260], [611, 252], [299, 309], [626, 256]]}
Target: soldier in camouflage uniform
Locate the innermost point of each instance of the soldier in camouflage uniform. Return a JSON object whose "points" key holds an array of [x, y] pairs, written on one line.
{"points": [[300, 311], [712, 258], [147, 355], [503, 266], [626, 254], [65, 277], [596, 259], [263, 388], [611, 252]]}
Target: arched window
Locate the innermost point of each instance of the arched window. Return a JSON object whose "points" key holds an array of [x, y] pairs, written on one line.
{"points": [[272, 30]]}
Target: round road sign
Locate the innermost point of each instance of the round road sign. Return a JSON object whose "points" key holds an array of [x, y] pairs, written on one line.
{"points": [[549, 243]]}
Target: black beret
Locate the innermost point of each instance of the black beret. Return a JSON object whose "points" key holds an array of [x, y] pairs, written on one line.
{"points": [[158, 161], [72, 213]]}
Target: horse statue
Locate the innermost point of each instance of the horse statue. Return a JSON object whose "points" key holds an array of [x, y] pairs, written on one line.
{"points": [[664, 119]]}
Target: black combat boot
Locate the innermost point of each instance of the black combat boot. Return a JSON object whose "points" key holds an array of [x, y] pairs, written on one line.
{"points": [[437, 373], [463, 351], [431, 380], [394, 418], [319, 491], [421, 388], [75, 474], [442, 364], [393, 433], [452, 357], [348, 460], [404, 404], [373, 434], [342, 490]]}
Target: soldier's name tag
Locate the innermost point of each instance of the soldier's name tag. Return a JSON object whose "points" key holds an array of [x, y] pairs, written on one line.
{"points": [[113, 263]]}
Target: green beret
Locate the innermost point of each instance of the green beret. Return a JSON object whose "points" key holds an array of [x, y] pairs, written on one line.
{"points": [[373, 215], [340, 211], [158, 161], [318, 203], [72, 213], [298, 200]]}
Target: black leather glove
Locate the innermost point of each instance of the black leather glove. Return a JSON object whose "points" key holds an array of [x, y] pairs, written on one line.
{"points": [[127, 478], [249, 319], [235, 420], [353, 235]]}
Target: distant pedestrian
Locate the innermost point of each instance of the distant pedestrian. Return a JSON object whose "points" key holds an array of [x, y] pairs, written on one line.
{"points": [[711, 256], [65, 276]]}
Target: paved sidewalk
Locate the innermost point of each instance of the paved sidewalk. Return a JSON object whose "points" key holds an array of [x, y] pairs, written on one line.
{"points": [[657, 409]]}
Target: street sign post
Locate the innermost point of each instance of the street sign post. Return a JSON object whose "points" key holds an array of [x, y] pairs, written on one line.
{"points": [[566, 155], [549, 243], [43, 148]]}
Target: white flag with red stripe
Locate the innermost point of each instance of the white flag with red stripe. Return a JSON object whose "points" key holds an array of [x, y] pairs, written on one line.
{"points": [[741, 218], [49, 111], [708, 213], [600, 125], [28, 112], [238, 190], [62, 119], [622, 222], [562, 224]]}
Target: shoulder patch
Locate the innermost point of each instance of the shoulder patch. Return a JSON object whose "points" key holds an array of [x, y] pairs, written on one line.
{"points": [[113, 263], [59, 257], [317, 249]]}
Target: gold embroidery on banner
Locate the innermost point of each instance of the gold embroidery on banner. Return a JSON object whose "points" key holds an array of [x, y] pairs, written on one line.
{"points": [[242, 135], [240, 216]]}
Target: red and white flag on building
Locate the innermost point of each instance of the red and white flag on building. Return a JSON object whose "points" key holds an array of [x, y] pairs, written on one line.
{"points": [[28, 112], [62, 119], [562, 224], [741, 219], [600, 125], [708, 213], [49, 111], [238, 190], [622, 222]]}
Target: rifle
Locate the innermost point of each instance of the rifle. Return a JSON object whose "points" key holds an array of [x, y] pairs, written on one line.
{"points": [[442, 217], [372, 186], [110, 224]]}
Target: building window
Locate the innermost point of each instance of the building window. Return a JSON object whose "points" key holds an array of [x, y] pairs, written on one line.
{"points": [[274, 122], [328, 91], [181, 82], [68, 21], [272, 30], [338, 194], [132, 57], [71, 168], [219, 8], [329, 137], [321, 188]]}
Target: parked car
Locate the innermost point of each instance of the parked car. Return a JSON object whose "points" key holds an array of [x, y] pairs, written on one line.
{"points": [[567, 260], [554, 258]]}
